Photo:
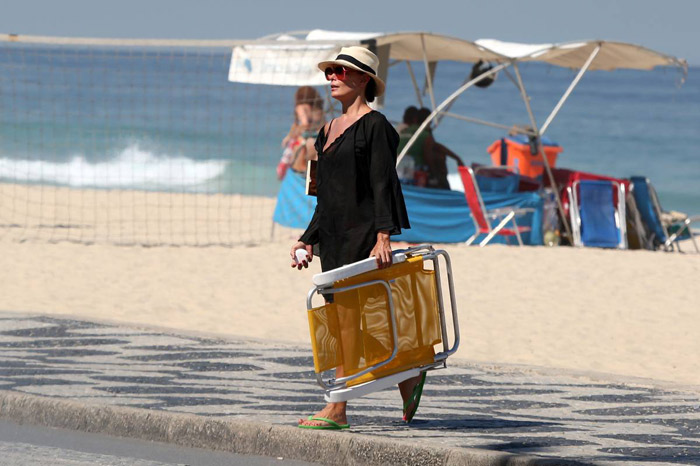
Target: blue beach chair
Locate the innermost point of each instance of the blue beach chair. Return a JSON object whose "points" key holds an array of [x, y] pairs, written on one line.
{"points": [[596, 219], [650, 209]]}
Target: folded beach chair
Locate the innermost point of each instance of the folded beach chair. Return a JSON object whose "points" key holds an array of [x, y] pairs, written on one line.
{"points": [[482, 217], [638, 236], [598, 214], [650, 209], [381, 325]]}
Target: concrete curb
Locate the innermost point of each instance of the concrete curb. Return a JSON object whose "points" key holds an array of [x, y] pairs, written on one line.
{"points": [[246, 437]]}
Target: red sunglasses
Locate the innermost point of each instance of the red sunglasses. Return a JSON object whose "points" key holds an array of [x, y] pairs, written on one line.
{"points": [[338, 70]]}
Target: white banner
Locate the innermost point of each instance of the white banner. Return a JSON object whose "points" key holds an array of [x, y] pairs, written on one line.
{"points": [[283, 65]]}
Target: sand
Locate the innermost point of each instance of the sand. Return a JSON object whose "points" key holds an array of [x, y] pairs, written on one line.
{"points": [[632, 313], [629, 313], [151, 218]]}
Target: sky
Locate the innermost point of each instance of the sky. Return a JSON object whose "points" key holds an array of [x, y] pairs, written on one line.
{"points": [[668, 26]]}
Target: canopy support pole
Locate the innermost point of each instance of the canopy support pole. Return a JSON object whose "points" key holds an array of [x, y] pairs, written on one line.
{"points": [[415, 83], [445, 103], [478, 121], [540, 147], [568, 92], [428, 77], [446, 111], [512, 79]]}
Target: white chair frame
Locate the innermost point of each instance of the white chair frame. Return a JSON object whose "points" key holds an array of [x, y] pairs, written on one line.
{"points": [[509, 216], [620, 213], [672, 241]]}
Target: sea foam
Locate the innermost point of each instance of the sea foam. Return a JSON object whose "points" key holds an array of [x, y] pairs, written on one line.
{"points": [[133, 168]]}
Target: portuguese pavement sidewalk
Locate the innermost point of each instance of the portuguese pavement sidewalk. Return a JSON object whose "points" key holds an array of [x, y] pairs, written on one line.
{"points": [[245, 396]]}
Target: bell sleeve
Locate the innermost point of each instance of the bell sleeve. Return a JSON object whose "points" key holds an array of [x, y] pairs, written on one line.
{"points": [[310, 236], [389, 206]]}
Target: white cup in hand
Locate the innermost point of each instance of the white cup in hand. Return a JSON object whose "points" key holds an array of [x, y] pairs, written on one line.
{"points": [[301, 255]]}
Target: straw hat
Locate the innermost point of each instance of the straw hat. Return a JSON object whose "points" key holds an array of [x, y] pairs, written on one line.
{"points": [[360, 59]]}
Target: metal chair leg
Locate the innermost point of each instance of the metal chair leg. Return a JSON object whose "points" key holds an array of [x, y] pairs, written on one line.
{"points": [[688, 222], [498, 228], [695, 243], [472, 238], [517, 232], [673, 239], [671, 243]]}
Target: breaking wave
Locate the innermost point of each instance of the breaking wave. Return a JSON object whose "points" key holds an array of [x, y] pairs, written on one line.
{"points": [[133, 168]]}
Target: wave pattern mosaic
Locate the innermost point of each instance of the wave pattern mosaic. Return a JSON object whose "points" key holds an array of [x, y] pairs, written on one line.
{"points": [[497, 408]]}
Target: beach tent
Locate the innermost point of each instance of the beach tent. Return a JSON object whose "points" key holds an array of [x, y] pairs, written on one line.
{"points": [[291, 58]]}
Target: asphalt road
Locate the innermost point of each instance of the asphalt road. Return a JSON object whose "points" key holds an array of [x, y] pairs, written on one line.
{"points": [[24, 445]]}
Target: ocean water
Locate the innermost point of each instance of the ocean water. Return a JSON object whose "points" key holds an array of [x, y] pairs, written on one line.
{"points": [[168, 120]]}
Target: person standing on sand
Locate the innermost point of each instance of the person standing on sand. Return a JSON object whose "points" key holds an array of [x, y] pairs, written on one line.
{"points": [[360, 203], [298, 143]]}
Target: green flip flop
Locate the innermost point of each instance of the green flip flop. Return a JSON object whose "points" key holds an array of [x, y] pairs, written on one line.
{"points": [[331, 424], [414, 399]]}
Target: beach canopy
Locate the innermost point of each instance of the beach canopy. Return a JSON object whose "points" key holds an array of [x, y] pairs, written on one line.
{"points": [[612, 55], [287, 59], [291, 58]]}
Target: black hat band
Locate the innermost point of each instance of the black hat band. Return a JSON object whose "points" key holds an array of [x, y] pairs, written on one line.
{"points": [[356, 62]]}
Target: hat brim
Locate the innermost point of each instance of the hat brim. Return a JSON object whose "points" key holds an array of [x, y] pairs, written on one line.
{"points": [[380, 84]]}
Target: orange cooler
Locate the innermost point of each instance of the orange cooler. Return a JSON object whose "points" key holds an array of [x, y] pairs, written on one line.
{"points": [[515, 153]]}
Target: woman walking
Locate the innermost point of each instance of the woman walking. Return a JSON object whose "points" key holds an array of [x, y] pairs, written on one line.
{"points": [[360, 203]]}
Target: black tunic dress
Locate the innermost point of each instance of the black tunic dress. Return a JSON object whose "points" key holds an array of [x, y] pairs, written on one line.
{"points": [[358, 192]]}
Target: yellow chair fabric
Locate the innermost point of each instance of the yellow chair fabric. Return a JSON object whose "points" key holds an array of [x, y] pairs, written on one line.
{"points": [[355, 330]]}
